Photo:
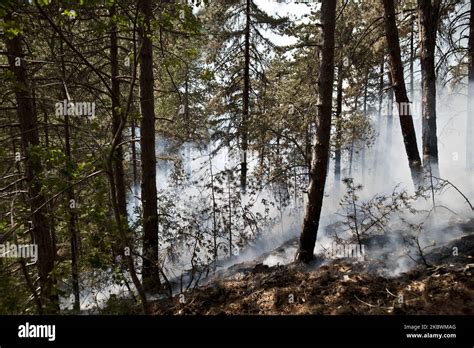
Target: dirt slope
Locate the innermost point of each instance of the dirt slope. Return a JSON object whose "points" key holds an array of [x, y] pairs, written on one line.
{"points": [[338, 287]]}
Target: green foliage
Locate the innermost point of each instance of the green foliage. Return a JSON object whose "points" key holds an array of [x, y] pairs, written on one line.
{"points": [[11, 29], [198, 57], [364, 218], [15, 297]]}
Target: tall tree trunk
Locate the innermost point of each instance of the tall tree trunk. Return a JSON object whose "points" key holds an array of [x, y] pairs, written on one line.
{"points": [[151, 279], [229, 197], [397, 74], [412, 60], [428, 15], [29, 140], [214, 212], [246, 101], [70, 194], [363, 151], [380, 117], [308, 145], [134, 157], [72, 224], [320, 158], [353, 140], [133, 126], [117, 119], [23, 263], [470, 98], [389, 129], [337, 159], [126, 245]]}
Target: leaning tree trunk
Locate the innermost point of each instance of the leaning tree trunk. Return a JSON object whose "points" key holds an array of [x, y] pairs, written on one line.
{"points": [[470, 98], [428, 15], [320, 158], [398, 81], [151, 279], [29, 141]]}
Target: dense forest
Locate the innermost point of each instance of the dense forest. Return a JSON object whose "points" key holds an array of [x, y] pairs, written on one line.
{"points": [[236, 156]]}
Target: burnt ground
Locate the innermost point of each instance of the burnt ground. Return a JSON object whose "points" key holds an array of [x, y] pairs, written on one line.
{"points": [[337, 287]]}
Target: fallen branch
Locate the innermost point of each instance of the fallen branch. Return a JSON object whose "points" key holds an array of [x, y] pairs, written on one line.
{"points": [[371, 305]]}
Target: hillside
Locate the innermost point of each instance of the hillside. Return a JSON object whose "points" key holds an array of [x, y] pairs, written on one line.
{"points": [[341, 286]]}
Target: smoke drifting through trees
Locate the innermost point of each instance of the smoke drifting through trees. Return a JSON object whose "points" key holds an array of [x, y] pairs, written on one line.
{"points": [[150, 144]]}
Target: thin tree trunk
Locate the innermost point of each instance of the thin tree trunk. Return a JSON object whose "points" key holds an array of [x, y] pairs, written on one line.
{"points": [[23, 265], [229, 197], [397, 74], [412, 60], [134, 133], [351, 152], [214, 213], [337, 159], [70, 194], [29, 141], [389, 129], [126, 244], [245, 101], [380, 118], [308, 151], [127, 247], [428, 15], [134, 158], [320, 158], [363, 151], [117, 118], [151, 280], [72, 225]]}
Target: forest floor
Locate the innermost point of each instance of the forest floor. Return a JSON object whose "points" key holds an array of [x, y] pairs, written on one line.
{"points": [[337, 287]]}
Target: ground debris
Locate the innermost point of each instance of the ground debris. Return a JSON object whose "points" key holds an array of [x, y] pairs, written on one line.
{"points": [[334, 288]]}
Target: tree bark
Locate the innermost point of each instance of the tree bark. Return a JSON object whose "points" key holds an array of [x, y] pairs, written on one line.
{"points": [[363, 151], [151, 279], [337, 154], [245, 101], [29, 140], [389, 129], [412, 60], [72, 224], [117, 119], [71, 195], [398, 81], [470, 97], [428, 15], [134, 158], [320, 158], [380, 117], [125, 243]]}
